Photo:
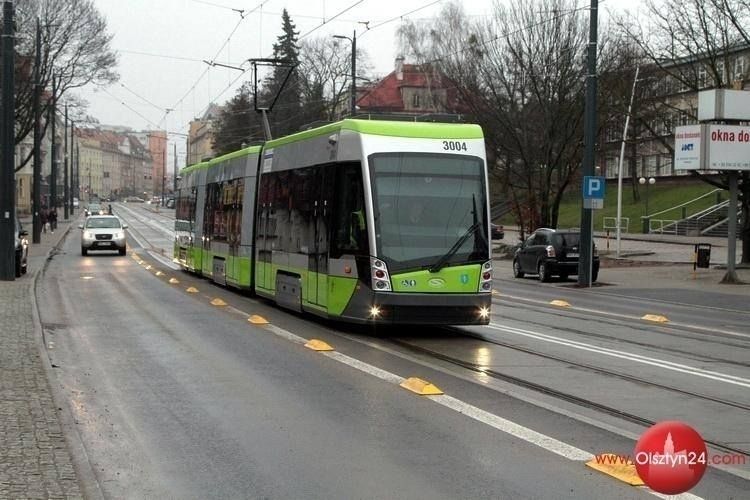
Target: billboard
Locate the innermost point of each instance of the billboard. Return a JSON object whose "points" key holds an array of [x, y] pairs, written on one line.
{"points": [[712, 147]]}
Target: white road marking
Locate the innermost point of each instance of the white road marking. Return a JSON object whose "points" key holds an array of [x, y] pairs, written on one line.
{"points": [[623, 316], [542, 440], [667, 365], [167, 262], [503, 425]]}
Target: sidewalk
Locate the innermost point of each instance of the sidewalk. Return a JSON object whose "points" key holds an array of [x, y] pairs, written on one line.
{"points": [[35, 459]]}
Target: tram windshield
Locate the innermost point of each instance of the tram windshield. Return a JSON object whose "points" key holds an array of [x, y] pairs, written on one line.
{"points": [[429, 208]]}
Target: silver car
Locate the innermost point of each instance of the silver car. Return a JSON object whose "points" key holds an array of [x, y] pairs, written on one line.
{"points": [[103, 232]]}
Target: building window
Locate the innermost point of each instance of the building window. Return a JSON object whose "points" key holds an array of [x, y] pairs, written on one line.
{"points": [[106, 175], [415, 100], [739, 68]]}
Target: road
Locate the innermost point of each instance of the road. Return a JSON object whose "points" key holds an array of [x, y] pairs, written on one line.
{"points": [[176, 397]]}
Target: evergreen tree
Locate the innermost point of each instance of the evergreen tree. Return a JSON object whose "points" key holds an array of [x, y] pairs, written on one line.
{"points": [[286, 116], [238, 123]]}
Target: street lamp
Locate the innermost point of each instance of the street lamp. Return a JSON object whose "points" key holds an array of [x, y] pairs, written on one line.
{"points": [[646, 221], [353, 40]]}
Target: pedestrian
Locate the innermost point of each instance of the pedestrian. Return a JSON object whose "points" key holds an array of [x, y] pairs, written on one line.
{"points": [[43, 220], [109, 209], [53, 219]]}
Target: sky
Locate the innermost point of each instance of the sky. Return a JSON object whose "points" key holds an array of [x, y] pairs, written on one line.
{"points": [[162, 45]]}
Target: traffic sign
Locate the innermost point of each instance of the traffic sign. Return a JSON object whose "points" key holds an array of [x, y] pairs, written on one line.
{"points": [[593, 191]]}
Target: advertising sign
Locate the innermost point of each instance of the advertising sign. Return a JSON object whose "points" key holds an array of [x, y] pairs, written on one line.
{"points": [[687, 147], [712, 147], [728, 147]]}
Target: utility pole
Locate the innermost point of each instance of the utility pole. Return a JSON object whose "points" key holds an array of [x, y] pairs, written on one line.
{"points": [[174, 172], [353, 41], [354, 73], [36, 231], [7, 166], [71, 192], [53, 152], [589, 142], [65, 166]]}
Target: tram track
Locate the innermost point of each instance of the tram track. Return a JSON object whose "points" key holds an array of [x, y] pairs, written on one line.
{"points": [[669, 330], [566, 396]]}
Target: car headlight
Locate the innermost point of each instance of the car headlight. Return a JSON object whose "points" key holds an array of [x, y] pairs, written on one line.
{"points": [[88, 235]]}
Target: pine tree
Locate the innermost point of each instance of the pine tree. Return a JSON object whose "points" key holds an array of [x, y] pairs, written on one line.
{"points": [[286, 116], [238, 123]]}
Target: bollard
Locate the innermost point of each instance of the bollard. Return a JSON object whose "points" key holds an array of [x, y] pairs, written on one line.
{"points": [[646, 225]]}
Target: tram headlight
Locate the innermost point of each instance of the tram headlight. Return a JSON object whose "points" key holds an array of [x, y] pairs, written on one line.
{"points": [[374, 312], [484, 312]]}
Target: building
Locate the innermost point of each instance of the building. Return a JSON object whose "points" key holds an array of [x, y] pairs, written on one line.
{"points": [[114, 164], [663, 101], [200, 136], [411, 89], [156, 143]]}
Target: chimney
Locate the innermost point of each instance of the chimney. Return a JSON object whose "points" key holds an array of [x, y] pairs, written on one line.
{"points": [[400, 68]]}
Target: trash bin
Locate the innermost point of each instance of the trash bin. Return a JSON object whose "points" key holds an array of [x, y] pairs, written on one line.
{"points": [[702, 255]]}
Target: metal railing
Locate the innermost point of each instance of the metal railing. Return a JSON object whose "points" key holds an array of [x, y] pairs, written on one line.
{"points": [[611, 223], [661, 226]]}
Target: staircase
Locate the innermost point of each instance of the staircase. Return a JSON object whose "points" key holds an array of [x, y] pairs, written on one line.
{"points": [[709, 222]]}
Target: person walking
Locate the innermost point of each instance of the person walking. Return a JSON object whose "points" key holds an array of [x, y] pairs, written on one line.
{"points": [[43, 219], [53, 219]]}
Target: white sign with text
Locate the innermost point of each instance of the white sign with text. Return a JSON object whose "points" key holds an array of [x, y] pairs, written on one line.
{"points": [[712, 147]]}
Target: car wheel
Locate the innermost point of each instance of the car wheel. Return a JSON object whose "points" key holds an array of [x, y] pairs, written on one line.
{"points": [[123, 250], [84, 252], [517, 271], [594, 275], [543, 272]]}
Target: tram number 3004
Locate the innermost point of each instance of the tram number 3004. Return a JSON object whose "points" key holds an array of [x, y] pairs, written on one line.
{"points": [[454, 146]]}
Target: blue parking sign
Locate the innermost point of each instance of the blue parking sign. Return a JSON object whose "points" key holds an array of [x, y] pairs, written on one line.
{"points": [[593, 191]]}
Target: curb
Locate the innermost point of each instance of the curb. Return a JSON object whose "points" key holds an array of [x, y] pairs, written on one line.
{"points": [[84, 470]]}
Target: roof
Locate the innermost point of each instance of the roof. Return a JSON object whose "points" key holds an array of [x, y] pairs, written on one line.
{"points": [[418, 130], [386, 94]]}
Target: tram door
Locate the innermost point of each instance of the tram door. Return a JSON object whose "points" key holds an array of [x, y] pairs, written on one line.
{"points": [[318, 260]]}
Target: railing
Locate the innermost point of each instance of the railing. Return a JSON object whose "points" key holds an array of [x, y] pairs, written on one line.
{"points": [[686, 204], [611, 223], [661, 226]]}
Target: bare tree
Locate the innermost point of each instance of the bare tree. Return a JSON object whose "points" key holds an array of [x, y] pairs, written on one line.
{"points": [[522, 75], [75, 49], [693, 45], [326, 67]]}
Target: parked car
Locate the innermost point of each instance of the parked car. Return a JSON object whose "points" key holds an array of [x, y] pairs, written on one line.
{"points": [[76, 203], [22, 249], [103, 232], [133, 199], [498, 231], [94, 209], [169, 203], [547, 253]]}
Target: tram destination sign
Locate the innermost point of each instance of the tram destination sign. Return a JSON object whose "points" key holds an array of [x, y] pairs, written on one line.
{"points": [[712, 147]]}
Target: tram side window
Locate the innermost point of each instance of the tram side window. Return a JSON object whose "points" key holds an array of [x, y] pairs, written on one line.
{"points": [[350, 223], [213, 225]]}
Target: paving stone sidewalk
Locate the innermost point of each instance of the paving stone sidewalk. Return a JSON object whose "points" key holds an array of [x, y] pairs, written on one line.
{"points": [[35, 461]]}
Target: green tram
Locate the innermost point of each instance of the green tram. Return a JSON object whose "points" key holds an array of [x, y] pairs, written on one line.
{"points": [[362, 221]]}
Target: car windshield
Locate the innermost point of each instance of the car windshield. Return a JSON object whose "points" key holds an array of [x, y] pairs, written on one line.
{"points": [[95, 207], [104, 222], [424, 204]]}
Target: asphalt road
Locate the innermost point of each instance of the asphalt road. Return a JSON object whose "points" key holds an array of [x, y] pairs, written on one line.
{"points": [[176, 397]]}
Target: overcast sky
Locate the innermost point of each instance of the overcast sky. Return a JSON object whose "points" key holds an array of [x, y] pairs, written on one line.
{"points": [[162, 44]]}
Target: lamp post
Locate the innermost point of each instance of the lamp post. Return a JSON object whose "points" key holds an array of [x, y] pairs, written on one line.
{"points": [[646, 220], [353, 40], [622, 157]]}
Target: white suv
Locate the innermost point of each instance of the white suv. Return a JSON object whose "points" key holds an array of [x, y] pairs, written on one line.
{"points": [[103, 232]]}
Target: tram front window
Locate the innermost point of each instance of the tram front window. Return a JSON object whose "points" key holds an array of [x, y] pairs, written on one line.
{"points": [[424, 204]]}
